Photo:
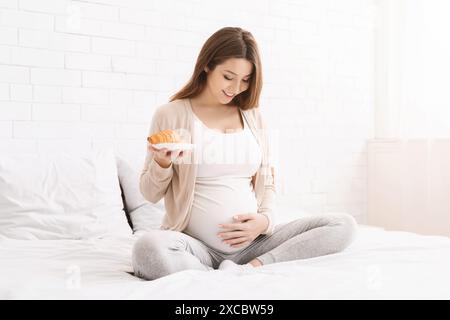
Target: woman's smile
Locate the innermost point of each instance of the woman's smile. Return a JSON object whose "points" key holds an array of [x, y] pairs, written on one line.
{"points": [[228, 95]]}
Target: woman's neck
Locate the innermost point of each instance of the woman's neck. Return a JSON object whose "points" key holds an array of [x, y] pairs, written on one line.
{"points": [[205, 100]]}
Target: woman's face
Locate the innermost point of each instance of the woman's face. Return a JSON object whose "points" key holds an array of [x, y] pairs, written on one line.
{"points": [[229, 79]]}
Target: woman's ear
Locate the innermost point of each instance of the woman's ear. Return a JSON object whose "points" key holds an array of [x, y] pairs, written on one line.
{"points": [[206, 69]]}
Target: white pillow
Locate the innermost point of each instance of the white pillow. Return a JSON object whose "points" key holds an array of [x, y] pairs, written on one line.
{"points": [[144, 215], [60, 196], [147, 217]]}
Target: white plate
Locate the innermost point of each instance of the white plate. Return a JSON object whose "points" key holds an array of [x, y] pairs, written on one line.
{"points": [[174, 146]]}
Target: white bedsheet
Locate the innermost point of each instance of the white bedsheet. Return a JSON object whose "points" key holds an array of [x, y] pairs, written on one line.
{"points": [[378, 265]]}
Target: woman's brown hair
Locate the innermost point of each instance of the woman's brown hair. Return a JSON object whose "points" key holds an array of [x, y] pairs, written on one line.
{"points": [[224, 44]]}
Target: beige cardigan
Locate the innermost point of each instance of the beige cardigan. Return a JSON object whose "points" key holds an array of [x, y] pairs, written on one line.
{"points": [[176, 183]]}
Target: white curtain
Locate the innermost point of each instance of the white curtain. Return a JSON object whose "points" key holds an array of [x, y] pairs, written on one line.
{"points": [[413, 69], [409, 172]]}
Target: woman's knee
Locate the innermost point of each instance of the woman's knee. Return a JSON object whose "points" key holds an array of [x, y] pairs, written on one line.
{"points": [[346, 228], [148, 257]]}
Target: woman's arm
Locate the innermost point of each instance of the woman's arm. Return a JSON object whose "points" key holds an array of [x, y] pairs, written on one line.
{"points": [[266, 207], [267, 173], [155, 179]]}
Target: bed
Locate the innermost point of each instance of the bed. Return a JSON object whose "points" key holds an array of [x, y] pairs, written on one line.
{"points": [[378, 265], [64, 235]]}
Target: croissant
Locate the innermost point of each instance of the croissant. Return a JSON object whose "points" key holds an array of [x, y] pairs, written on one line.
{"points": [[165, 136]]}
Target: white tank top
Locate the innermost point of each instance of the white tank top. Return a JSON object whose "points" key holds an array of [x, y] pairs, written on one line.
{"points": [[223, 188]]}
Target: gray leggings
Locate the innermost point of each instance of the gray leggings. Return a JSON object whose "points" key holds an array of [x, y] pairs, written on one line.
{"points": [[161, 252]]}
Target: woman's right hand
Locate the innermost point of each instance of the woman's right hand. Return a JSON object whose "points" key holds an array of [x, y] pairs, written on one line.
{"points": [[163, 156]]}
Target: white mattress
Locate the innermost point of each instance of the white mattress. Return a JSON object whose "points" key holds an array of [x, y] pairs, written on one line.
{"points": [[378, 265]]}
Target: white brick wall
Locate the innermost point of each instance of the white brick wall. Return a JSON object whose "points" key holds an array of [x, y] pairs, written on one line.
{"points": [[93, 72]]}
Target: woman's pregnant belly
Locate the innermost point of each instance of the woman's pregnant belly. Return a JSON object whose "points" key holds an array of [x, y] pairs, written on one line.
{"points": [[216, 203]]}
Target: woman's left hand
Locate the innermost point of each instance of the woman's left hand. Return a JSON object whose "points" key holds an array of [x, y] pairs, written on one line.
{"points": [[246, 228]]}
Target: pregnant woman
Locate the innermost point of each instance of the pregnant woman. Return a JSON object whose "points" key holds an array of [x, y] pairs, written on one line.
{"points": [[219, 196]]}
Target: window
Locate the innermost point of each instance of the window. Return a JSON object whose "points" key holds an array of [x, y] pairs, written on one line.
{"points": [[413, 69]]}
